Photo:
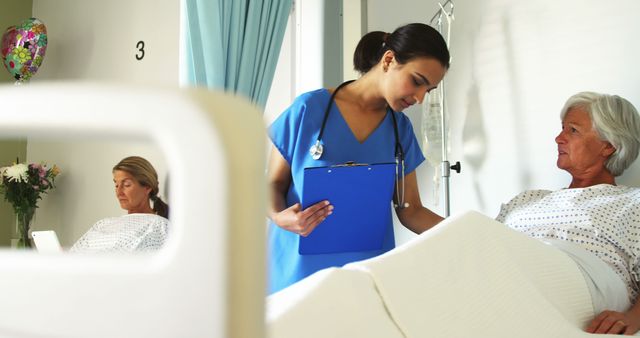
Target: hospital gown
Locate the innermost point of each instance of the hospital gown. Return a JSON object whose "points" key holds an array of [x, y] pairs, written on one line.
{"points": [[293, 133], [128, 233], [602, 219]]}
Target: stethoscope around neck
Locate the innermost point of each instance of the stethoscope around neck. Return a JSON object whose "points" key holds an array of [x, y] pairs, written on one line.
{"points": [[317, 149]]}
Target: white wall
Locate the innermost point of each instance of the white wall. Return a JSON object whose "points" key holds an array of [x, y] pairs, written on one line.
{"points": [[308, 46], [283, 89], [354, 27], [514, 65], [97, 41]]}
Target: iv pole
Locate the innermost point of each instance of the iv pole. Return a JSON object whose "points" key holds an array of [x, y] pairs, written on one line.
{"points": [[436, 22]]}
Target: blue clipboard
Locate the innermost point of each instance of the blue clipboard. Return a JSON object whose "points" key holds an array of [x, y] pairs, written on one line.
{"points": [[361, 195]]}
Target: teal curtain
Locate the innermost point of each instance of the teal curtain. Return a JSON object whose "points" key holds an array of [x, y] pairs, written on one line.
{"points": [[233, 45]]}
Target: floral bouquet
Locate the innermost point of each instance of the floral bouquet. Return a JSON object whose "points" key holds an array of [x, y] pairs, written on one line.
{"points": [[22, 186]]}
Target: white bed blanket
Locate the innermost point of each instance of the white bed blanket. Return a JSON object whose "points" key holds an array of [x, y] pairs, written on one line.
{"points": [[330, 303], [470, 276]]}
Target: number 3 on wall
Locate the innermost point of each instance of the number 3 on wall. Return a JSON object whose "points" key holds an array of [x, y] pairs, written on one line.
{"points": [[140, 47]]}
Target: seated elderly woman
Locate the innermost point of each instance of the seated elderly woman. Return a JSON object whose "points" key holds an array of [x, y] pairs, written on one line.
{"points": [[591, 235], [594, 221], [145, 226]]}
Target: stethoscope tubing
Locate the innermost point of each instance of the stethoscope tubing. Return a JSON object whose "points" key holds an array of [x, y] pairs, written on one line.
{"points": [[317, 149], [398, 151]]}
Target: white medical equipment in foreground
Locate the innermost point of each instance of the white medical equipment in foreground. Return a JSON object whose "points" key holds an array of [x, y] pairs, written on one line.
{"points": [[208, 279]]}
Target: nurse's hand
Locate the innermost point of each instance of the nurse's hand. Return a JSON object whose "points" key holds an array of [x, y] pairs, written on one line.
{"points": [[302, 222]]}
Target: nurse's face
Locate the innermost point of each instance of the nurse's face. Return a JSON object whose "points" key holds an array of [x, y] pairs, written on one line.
{"points": [[407, 84], [580, 150]]}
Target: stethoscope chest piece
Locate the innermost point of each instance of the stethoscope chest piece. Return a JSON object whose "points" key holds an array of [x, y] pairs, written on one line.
{"points": [[316, 150]]}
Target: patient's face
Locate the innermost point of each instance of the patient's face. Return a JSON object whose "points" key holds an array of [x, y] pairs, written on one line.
{"points": [[132, 196], [580, 150]]}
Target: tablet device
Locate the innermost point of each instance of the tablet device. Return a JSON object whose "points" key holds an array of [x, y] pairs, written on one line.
{"points": [[361, 195], [46, 241]]}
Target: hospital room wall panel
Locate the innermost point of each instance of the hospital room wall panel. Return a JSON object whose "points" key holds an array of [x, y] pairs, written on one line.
{"points": [[98, 41], [12, 13], [318, 48], [282, 90], [311, 55], [514, 64]]}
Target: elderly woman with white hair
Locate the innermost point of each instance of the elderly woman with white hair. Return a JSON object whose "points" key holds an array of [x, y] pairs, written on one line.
{"points": [[594, 221]]}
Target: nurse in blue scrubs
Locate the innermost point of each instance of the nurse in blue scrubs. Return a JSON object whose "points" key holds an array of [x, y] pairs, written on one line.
{"points": [[398, 70]]}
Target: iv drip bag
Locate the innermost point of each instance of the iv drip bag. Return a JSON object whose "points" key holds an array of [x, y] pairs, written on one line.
{"points": [[432, 132]]}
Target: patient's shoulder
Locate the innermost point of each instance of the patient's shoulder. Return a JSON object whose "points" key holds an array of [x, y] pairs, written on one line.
{"points": [[147, 217], [633, 191], [127, 233], [530, 196], [130, 220], [523, 200], [144, 219]]}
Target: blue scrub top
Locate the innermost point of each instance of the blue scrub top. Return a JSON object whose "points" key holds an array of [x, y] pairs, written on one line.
{"points": [[293, 134]]}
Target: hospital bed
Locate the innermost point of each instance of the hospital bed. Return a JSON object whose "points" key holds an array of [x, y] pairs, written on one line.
{"points": [[469, 276], [208, 279]]}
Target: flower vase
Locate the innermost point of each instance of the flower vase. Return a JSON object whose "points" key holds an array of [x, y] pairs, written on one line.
{"points": [[23, 222]]}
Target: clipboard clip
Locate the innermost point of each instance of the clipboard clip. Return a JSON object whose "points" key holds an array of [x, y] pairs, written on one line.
{"points": [[350, 164]]}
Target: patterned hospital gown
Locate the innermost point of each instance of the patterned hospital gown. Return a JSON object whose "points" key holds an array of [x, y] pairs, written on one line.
{"points": [[603, 219], [128, 233]]}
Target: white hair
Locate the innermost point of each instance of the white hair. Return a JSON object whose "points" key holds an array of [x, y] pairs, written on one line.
{"points": [[616, 121]]}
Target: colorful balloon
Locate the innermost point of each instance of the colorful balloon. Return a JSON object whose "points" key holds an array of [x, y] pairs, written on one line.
{"points": [[23, 48]]}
